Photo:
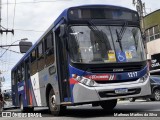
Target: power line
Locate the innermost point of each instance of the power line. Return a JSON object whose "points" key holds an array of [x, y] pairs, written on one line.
{"points": [[11, 50], [28, 30], [34, 2]]}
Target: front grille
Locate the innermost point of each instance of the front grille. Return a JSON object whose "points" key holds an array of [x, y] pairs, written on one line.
{"points": [[113, 94], [128, 68]]}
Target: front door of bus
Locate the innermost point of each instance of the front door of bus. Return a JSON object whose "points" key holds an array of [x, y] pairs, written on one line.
{"points": [[62, 68]]}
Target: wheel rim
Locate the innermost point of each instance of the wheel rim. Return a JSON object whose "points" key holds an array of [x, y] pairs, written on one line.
{"points": [[157, 94], [53, 102]]}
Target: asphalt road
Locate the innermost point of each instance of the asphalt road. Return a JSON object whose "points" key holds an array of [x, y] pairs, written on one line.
{"points": [[124, 110]]}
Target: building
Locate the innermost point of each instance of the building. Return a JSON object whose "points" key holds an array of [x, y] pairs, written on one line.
{"points": [[152, 33]]}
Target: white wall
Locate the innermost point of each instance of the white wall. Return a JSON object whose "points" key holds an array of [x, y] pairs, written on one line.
{"points": [[153, 47]]}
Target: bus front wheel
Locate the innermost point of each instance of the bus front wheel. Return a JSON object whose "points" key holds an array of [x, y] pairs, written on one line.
{"points": [[55, 109], [108, 105]]}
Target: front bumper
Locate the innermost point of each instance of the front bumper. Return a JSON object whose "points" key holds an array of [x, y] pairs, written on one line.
{"points": [[82, 93]]}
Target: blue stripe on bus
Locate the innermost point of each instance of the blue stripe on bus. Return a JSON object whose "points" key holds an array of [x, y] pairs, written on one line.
{"points": [[120, 76]]}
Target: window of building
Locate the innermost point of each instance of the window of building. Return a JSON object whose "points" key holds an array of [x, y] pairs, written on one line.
{"points": [[156, 32], [152, 33]]}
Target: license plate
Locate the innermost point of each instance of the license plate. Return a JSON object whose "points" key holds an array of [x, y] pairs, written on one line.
{"points": [[121, 90]]}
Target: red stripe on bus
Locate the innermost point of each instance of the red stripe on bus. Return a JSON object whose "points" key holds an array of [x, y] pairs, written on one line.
{"points": [[73, 81], [30, 97]]}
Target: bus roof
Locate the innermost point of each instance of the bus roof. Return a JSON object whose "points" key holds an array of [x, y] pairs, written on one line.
{"points": [[64, 15]]}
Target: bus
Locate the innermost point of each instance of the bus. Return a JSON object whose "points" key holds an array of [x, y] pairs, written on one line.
{"points": [[91, 54]]}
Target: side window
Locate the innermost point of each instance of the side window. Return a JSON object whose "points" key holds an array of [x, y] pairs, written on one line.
{"points": [[22, 71], [27, 69], [49, 49], [13, 78], [33, 56], [19, 74], [40, 50], [40, 57], [33, 62], [49, 42]]}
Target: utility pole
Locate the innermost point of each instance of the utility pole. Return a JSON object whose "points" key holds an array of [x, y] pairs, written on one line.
{"points": [[141, 11], [0, 11], [2, 29]]}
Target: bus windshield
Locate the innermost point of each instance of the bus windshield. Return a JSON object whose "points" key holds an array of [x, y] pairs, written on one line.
{"points": [[105, 44]]}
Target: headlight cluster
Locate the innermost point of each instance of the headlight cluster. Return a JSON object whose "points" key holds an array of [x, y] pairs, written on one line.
{"points": [[144, 78], [83, 80]]}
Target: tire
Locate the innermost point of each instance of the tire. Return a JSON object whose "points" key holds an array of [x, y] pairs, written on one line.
{"points": [[132, 99], [156, 95], [152, 99], [55, 109], [22, 108], [108, 105]]}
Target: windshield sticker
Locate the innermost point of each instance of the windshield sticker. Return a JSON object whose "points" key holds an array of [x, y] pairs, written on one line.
{"points": [[111, 56], [132, 49], [121, 57], [128, 54]]}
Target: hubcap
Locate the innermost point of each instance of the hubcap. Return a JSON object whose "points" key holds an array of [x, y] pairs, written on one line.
{"points": [[53, 101], [157, 95]]}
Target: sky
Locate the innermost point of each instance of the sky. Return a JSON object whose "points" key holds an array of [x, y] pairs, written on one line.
{"points": [[30, 19]]}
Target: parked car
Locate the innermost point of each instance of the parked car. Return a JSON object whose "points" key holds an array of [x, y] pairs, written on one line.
{"points": [[155, 90]]}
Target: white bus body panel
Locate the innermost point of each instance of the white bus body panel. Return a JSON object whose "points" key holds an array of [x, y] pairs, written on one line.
{"points": [[36, 88]]}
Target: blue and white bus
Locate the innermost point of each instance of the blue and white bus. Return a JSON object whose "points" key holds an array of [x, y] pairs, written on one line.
{"points": [[91, 54]]}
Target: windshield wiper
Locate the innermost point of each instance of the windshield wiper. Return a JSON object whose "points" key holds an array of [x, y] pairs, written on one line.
{"points": [[96, 31], [134, 32], [120, 35]]}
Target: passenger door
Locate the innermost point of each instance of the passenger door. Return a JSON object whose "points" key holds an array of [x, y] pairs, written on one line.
{"points": [[62, 67]]}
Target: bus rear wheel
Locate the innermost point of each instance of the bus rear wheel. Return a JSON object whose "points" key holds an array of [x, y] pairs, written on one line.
{"points": [[55, 109], [108, 105]]}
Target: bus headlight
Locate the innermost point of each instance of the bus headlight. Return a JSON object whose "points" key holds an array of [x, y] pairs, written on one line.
{"points": [[85, 81], [144, 78]]}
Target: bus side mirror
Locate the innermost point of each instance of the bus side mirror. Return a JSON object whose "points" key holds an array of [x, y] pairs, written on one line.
{"points": [[24, 46], [62, 30]]}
